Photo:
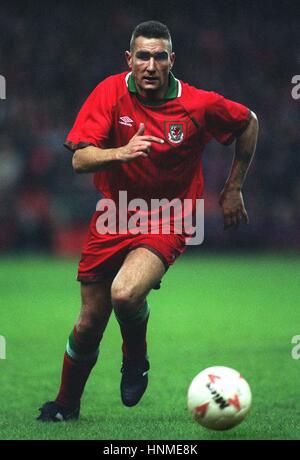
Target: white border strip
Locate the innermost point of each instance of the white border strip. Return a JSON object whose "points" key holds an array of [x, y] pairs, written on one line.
{"points": [[127, 78], [179, 88]]}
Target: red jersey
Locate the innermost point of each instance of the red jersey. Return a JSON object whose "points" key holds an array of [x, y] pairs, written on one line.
{"points": [[188, 118]]}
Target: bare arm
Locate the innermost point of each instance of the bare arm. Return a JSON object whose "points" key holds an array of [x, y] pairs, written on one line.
{"points": [[93, 159], [231, 198]]}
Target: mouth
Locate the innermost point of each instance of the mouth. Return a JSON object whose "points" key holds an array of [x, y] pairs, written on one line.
{"points": [[150, 79]]}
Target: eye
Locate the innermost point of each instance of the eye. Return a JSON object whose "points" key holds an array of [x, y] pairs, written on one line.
{"points": [[143, 55], [162, 56]]}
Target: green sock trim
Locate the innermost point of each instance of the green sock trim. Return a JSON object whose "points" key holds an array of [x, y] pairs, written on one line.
{"points": [[75, 351], [137, 317]]}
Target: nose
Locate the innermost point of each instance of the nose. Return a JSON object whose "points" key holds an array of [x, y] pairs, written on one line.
{"points": [[151, 64]]}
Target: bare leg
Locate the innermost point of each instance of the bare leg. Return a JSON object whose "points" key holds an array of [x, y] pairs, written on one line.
{"points": [[83, 343], [95, 310], [140, 272]]}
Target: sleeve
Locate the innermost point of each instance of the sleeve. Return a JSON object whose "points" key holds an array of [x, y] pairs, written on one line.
{"points": [[226, 120], [93, 122]]}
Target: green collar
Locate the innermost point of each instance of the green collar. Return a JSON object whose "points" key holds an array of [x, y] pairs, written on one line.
{"points": [[172, 89]]}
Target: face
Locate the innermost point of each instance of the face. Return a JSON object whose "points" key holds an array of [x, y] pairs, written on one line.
{"points": [[151, 61]]}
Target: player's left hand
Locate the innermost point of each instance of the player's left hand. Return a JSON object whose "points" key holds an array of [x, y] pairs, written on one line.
{"points": [[232, 204]]}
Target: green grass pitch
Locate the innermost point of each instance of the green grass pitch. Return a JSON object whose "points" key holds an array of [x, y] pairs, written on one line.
{"points": [[239, 311]]}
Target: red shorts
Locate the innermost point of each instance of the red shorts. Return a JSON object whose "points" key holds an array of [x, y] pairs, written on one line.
{"points": [[103, 255]]}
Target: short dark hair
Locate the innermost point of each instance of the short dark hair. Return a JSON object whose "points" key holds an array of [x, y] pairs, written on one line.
{"points": [[151, 29]]}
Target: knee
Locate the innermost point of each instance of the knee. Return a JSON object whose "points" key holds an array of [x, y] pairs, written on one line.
{"points": [[125, 297], [88, 326]]}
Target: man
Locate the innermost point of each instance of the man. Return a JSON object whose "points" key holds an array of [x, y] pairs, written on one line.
{"points": [[142, 132]]}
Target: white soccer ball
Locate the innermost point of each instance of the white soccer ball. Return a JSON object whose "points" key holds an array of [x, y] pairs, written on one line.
{"points": [[219, 398]]}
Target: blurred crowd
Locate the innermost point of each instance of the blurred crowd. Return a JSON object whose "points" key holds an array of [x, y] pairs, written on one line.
{"points": [[53, 55]]}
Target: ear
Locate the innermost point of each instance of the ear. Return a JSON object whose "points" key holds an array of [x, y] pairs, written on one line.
{"points": [[172, 59], [128, 58]]}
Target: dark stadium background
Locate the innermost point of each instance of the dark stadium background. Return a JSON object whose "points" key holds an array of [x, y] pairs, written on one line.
{"points": [[52, 56]]}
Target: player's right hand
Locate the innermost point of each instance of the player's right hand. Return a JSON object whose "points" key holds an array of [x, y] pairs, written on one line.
{"points": [[138, 146]]}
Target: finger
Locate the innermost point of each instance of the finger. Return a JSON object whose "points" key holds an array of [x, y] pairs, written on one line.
{"points": [[143, 146], [245, 216], [239, 217], [236, 220], [231, 220], [227, 221], [152, 138], [141, 130], [140, 154], [136, 155]]}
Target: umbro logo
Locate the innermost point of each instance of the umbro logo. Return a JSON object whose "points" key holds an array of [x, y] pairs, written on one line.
{"points": [[125, 121]]}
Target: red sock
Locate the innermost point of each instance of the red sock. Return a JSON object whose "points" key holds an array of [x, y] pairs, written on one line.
{"points": [[134, 339], [79, 360], [73, 380]]}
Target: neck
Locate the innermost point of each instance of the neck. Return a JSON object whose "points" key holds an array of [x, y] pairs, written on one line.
{"points": [[152, 95]]}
